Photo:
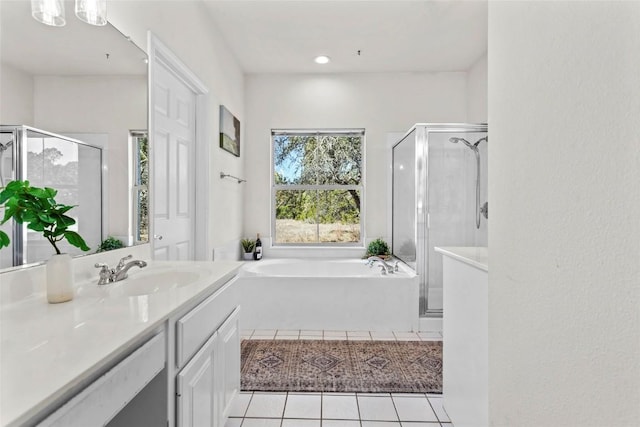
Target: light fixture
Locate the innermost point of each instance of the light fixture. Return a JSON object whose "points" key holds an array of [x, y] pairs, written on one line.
{"points": [[49, 12], [92, 12], [322, 59]]}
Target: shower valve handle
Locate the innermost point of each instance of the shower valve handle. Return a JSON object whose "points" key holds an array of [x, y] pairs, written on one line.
{"points": [[484, 210]]}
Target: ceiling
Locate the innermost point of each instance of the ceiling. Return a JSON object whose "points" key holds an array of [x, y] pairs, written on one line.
{"points": [[75, 49], [275, 36]]}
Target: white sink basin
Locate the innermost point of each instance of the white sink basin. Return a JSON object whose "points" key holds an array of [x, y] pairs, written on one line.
{"points": [[146, 282]]}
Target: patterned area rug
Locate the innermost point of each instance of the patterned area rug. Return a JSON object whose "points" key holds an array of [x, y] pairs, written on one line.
{"points": [[342, 366]]}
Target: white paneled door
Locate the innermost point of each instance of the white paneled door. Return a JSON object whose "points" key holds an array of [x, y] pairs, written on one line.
{"points": [[173, 151]]}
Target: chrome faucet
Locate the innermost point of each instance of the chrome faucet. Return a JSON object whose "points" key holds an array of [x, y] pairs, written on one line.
{"points": [[121, 274], [110, 275], [386, 268]]}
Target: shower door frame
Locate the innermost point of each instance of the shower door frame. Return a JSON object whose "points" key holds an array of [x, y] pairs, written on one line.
{"points": [[421, 199], [19, 161]]}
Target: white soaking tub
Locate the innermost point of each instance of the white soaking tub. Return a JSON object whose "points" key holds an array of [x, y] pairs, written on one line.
{"points": [[327, 294]]}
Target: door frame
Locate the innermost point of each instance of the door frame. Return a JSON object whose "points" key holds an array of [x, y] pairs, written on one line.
{"points": [[161, 56]]}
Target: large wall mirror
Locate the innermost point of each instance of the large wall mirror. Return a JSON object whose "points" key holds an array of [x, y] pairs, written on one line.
{"points": [[66, 89]]}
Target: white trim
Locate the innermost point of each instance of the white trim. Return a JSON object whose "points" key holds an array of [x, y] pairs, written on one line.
{"points": [[161, 55], [431, 324], [392, 139]]}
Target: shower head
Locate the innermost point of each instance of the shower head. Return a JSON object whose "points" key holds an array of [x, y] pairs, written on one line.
{"points": [[467, 143], [5, 146], [456, 140]]}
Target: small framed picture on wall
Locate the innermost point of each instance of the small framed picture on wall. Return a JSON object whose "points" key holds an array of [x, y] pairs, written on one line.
{"points": [[229, 132]]}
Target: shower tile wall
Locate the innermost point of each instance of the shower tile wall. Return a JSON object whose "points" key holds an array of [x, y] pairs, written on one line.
{"points": [[452, 202]]}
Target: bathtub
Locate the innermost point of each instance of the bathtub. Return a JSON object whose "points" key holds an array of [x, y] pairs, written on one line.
{"points": [[327, 294]]}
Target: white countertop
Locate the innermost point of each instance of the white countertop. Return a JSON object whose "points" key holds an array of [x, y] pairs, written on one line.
{"points": [[46, 350], [474, 256]]}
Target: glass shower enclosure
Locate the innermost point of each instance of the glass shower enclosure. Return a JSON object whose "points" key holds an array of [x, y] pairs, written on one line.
{"points": [[439, 199], [74, 168]]}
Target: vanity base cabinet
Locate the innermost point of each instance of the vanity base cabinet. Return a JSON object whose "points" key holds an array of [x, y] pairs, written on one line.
{"points": [[196, 388], [207, 385]]}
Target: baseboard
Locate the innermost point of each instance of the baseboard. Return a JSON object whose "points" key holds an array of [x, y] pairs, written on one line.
{"points": [[430, 324]]}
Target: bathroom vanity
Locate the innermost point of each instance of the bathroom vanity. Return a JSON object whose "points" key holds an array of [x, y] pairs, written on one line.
{"points": [[465, 335], [138, 352]]}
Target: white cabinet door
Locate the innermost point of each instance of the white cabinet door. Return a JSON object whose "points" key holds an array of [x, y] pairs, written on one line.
{"points": [[229, 363], [197, 397]]}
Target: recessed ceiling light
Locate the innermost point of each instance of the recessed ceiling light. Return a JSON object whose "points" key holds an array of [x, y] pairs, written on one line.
{"points": [[322, 59]]}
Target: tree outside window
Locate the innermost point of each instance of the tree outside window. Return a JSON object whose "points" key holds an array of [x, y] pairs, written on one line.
{"points": [[317, 187]]}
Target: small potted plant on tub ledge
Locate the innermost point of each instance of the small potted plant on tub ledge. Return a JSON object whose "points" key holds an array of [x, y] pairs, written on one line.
{"points": [[248, 246], [378, 248], [37, 208]]}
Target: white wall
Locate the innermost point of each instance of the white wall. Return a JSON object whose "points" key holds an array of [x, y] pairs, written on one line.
{"points": [[564, 278], [16, 104], [379, 103], [185, 27], [68, 105], [477, 91]]}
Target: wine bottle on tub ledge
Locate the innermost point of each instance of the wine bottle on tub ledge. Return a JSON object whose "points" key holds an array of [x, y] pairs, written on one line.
{"points": [[257, 252], [38, 208]]}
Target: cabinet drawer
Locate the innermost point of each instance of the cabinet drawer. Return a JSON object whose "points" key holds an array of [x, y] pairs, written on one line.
{"points": [[105, 397], [193, 329]]}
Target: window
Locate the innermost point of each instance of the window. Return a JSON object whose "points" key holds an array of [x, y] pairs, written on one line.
{"points": [[140, 144], [317, 192]]}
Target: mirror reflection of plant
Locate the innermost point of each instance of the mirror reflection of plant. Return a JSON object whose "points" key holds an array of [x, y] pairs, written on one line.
{"points": [[109, 244], [37, 207]]}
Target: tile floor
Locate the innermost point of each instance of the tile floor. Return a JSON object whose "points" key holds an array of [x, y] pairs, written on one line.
{"points": [[266, 334], [260, 409]]}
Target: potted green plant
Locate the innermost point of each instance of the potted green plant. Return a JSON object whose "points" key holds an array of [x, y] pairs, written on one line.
{"points": [[37, 208], [378, 248], [248, 246]]}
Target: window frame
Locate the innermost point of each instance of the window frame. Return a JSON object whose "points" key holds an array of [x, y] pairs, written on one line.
{"points": [[361, 187]]}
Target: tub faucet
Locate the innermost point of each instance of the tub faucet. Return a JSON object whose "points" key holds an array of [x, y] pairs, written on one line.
{"points": [[110, 275], [387, 268]]}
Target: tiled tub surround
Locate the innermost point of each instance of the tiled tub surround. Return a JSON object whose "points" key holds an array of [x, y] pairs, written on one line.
{"points": [[327, 294], [49, 352]]}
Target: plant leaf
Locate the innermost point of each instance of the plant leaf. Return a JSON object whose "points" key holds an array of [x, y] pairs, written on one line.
{"points": [[64, 220], [75, 239], [37, 192], [36, 226], [64, 208], [4, 239], [50, 192]]}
